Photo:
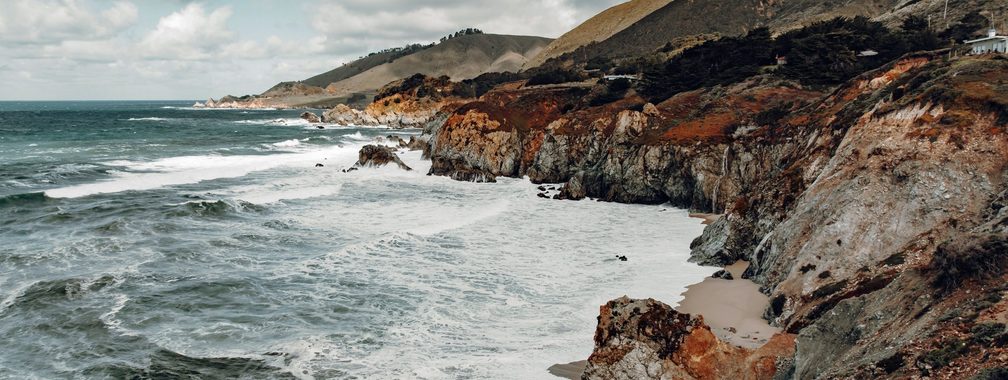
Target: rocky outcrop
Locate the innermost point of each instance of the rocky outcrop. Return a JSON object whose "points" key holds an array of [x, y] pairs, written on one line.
{"points": [[840, 200], [679, 151], [311, 117], [646, 339], [413, 102], [242, 102], [413, 144], [373, 156]]}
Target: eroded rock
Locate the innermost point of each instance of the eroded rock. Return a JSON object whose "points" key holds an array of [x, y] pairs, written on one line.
{"points": [[646, 339], [311, 117], [377, 156]]}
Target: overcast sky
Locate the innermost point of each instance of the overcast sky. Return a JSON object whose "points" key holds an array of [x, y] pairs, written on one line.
{"points": [[173, 49]]}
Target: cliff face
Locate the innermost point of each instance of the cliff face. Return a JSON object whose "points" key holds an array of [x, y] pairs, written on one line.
{"points": [[842, 201]]}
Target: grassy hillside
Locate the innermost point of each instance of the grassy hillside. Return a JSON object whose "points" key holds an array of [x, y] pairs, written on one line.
{"points": [[361, 65], [598, 28], [460, 58]]}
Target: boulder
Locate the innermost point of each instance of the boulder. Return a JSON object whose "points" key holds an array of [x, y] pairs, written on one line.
{"points": [[646, 339], [723, 274], [377, 156], [311, 117]]}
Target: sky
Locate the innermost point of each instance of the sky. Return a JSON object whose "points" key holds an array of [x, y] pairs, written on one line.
{"points": [[174, 49]]}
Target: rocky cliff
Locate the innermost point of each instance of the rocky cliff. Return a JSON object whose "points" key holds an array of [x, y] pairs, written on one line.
{"points": [[852, 203], [412, 102]]}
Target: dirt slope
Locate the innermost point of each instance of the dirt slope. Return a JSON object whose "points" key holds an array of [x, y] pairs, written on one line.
{"points": [[459, 58], [598, 28]]}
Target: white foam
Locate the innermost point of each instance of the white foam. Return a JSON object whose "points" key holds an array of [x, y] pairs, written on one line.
{"points": [[194, 169], [109, 319], [280, 122], [148, 119], [287, 143]]}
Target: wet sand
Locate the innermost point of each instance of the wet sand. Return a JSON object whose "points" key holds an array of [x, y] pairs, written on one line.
{"points": [[707, 218]]}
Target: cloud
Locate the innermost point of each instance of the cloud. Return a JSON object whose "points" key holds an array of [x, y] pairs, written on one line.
{"points": [[77, 49], [191, 33], [360, 26], [53, 21]]}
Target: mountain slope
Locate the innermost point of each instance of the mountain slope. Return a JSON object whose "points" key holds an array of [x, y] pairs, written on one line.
{"points": [[683, 19], [598, 28], [460, 58], [361, 65]]}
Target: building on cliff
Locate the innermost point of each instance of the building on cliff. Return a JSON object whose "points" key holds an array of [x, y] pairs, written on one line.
{"points": [[993, 43]]}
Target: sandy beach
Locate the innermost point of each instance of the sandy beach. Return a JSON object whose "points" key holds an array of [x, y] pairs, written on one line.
{"points": [[707, 218], [732, 308]]}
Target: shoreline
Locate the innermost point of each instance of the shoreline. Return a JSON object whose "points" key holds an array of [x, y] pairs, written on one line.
{"points": [[732, 308]]}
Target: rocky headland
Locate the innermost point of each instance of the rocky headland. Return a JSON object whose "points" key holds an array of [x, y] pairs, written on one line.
{"points": [[858, 165], [874, 214], [412, 102]]}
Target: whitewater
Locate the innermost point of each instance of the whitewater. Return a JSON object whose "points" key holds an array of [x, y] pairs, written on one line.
{"points": [[151, 239]]}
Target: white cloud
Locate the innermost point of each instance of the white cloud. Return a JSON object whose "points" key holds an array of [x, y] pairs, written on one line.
{"points": [[189, 34], [53, 21], [76, 49]]}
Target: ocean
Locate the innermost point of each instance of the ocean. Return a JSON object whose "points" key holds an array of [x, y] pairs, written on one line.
{"points": [[154, 240]]}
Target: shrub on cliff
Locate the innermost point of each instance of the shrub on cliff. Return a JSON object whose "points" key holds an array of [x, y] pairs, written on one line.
{"points": [[482, 84], [996, 373], [970, 257], [825, 53], [832, 52], [970, 26], [612, 91], [723, 61], [552, 76]]}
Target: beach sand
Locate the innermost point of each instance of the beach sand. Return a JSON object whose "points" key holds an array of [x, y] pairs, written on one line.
{"points": [[732, 308], [707, 218], [570, 370]]}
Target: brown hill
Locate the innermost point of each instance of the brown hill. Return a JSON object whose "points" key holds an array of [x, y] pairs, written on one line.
{"points": [[361, 65], [681, 22], [598, 28], [459, 58]]}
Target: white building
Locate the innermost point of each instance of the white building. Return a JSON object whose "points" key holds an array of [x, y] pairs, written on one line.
{"points": [[993, 43]]}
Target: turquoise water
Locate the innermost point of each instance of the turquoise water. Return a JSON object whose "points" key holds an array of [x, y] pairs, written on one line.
{"points": [[149, 239]]}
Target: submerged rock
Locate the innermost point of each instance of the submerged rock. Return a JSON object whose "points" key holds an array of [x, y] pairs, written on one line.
{"points": [[377, 156]]}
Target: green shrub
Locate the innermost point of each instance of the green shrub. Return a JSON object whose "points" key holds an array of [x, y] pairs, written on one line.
{"points": [[987, 333], [978, 256], [947, 351], [553, 76], [996, 373]]}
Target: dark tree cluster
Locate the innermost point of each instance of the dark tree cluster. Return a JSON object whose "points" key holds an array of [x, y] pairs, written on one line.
{"points": [[722, 61], [482, 84], [612, 91], [552, 76], [463, 32], [397, 52], [822, 54]]}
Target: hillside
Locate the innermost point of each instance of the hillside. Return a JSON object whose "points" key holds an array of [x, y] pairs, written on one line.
{"points": [[361, 65], [598, 28], [681, 19], [683, 23], [459, 58]]}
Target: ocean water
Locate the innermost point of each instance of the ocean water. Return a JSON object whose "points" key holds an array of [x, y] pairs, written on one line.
{"points": [[148, 239]]}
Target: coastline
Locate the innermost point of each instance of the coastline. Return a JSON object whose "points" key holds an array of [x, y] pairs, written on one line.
{"points": [[733, 308]]}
